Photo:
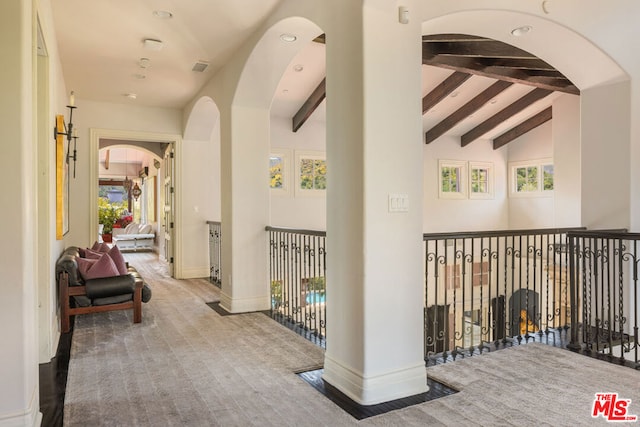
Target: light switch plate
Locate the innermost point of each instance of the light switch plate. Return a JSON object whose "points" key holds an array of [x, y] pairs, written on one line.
{"points": [[398, 202]]}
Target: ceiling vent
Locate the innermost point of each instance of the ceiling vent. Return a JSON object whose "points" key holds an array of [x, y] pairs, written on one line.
{"points": [[200, 66]]}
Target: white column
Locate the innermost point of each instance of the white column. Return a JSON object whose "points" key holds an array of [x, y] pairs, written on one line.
{"points": [[245, 280], [19, 402], [566, 160], [374, 152], [604, 157]]}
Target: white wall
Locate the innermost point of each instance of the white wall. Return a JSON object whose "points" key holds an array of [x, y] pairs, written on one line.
{"points": [[18, 165], [442, 215], [531, 212], [200, 203], [290, 209]]}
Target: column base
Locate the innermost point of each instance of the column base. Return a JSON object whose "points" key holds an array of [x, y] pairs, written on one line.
{"points": [[244, 305], [378, 389]]}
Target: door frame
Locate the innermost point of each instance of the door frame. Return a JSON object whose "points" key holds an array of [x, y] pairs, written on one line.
{"points": [[95, 135]]}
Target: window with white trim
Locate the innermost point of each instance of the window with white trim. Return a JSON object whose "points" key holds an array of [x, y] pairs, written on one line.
{"points": [[452, 179], [279, 172], [531, 178], [311, 173], [480, 180]]}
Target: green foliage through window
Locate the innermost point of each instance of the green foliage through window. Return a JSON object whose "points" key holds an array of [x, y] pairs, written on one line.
{"points": [[276, 164], [527, 179], [313, 174], [547, 171], [533, 178], [479, 180], [450, 179]]}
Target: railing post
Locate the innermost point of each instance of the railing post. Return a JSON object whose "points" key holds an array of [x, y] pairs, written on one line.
{"points": [[573, 292], [215, 252]]}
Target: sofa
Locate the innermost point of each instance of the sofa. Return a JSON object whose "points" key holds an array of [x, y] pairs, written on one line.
{"points": [[134, 237], [123, 289]]}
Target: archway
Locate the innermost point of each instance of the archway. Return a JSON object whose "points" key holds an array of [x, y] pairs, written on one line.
{"points": [[583, 163], [139, 139], [128, 182], [244, 164]]}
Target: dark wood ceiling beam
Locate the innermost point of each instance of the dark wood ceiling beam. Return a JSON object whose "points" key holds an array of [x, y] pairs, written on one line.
{"points": [[441, 91], [466, 110], [520, 63], [524, 127], [310, 105], [493, 121], [452, 38], [482, 48], [471, 66]]}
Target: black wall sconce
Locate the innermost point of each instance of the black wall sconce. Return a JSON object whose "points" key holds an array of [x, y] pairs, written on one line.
{"points": [[69, 132]]}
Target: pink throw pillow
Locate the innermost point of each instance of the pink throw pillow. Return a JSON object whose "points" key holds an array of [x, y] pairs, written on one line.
{"points": [[100, 247], [118, 260], [94, 269], [90, 254]]}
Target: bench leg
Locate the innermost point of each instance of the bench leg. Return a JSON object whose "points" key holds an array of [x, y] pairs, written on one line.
{"points": [[137, 305]]}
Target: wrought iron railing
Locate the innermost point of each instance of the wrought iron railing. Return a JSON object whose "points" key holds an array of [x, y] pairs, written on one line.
{"points": [[297, 278], [604, 292], [485, 288], [215, 252]]}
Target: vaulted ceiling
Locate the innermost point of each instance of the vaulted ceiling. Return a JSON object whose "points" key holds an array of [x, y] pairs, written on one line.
{"points": [[474, 88]]}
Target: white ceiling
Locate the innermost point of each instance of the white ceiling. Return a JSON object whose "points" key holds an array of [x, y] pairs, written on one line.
{"points": [[101, 44]]}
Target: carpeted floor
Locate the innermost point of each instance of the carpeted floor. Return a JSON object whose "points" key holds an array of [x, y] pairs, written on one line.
{"points": [[186, 365]]}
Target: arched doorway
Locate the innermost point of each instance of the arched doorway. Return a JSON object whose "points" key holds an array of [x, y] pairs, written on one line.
{"points": [[157, 145]]}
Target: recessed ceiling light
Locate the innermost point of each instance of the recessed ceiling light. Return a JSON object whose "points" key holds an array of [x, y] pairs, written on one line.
{"points": [[162, 14], [298, 67], [493, 101], [521, 31], [140, 76], [454, 94], [144, 62], [289, 38], [152, 44], [131, 95]]}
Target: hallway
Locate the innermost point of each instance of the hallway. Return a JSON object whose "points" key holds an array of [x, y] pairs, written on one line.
{"points": [[186, 365]]}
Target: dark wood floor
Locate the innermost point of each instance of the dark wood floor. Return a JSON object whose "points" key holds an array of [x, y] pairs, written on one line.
{"points": [[53, 382]]}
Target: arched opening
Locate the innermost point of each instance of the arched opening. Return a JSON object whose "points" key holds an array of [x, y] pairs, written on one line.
{"points": [[570, 142], [245, 161], [128, 190], [157, 148]]}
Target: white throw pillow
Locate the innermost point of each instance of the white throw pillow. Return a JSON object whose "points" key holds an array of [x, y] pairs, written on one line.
{"points": [[145, 229], [132, 228]]}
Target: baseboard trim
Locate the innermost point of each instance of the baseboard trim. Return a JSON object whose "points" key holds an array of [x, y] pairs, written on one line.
{"points": [[28, 417], [195, 273]]}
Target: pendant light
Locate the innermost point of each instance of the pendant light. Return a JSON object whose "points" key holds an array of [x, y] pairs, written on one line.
{"points": [[136, 191]]}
